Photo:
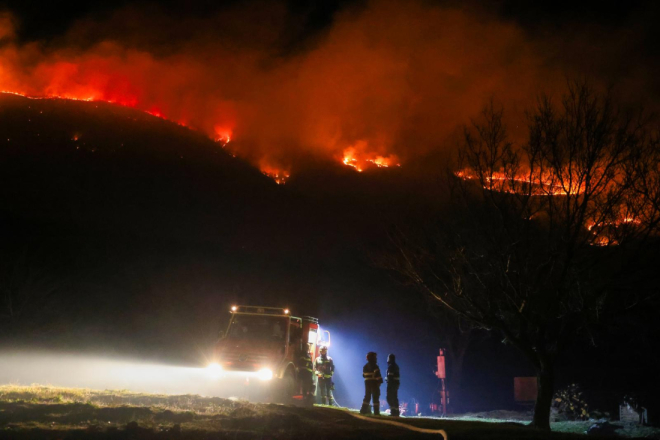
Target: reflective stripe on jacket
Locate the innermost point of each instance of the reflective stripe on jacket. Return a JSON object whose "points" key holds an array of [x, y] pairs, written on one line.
{"points": [[306, 363], [393, 372], [371, 371], [324, 367]]}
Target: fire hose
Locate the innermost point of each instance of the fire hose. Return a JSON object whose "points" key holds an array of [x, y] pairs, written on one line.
{"points": [[372, 419], [442, 432]]}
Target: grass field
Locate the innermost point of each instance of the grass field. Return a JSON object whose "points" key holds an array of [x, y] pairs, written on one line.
{"points": [[42, 412]]}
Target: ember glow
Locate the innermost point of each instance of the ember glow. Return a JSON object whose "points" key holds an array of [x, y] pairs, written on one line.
{"points": [[526, 183], [278, 175], [605, 232], [535, 184], [223, 135], [384, 84], [359, 158]]}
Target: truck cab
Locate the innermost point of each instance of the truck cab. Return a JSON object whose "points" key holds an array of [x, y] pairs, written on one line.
{"points": [[262, 345]]}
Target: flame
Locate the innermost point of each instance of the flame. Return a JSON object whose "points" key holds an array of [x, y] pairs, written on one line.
{"points": [[534, 183], [223, 134], [360, 158], [383, 162], [549, 184], [354, 156], [604, 240], [616, 223], [155, 111], [350, 160], [280, 176]]}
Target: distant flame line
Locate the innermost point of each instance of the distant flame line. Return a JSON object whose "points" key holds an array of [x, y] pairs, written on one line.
{"points": [[536, 186], [224, 136]]}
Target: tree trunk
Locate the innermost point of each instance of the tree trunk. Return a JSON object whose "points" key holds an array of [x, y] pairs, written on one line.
{"points": [[454, 386], [545, 379], [456, 358]]}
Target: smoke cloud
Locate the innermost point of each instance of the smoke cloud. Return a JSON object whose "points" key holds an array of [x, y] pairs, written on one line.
{"points": [[385, 83]]}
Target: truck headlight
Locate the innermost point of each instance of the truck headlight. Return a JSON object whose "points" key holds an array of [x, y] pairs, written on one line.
{"points": [[265, 374], [214, 370]]}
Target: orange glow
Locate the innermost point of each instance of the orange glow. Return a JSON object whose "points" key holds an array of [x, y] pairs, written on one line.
{"points": [[360, 158], [222, 134], [350, 160], [549, 184], [154, 111], [278, 175], [535, 184], [605, 241], [376, 78], [616, 223]]}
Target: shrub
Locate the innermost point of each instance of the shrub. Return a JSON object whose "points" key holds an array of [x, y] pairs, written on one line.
{"points": [[569, 403]]}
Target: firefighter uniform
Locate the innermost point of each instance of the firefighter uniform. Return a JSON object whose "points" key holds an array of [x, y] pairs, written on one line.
{"points": [[325, 368], [306, 375], [393, 381], [372, 381]]}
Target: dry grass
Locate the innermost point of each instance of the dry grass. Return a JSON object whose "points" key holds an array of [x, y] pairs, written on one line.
{"points": [[44, 412], [113, 398]]}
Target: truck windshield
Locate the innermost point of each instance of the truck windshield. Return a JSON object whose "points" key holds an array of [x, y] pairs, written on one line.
{"points": [[257, 327]]}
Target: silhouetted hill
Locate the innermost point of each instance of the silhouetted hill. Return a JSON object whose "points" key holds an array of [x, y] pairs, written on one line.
{"points": [[100, 166], [136, 210], [122, 232]]}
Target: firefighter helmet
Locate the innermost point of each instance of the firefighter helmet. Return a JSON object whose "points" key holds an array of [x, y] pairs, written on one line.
{"points": [[371, 356], [323, 349], [391, 358]]}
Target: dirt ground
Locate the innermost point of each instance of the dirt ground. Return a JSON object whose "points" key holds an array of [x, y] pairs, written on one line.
{"points": [[39, 412]]}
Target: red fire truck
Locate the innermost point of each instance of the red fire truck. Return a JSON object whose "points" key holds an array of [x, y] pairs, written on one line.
{"points": [[261, 347]]}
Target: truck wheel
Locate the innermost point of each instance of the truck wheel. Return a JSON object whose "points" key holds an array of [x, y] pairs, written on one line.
{"points": [[286, 388]]}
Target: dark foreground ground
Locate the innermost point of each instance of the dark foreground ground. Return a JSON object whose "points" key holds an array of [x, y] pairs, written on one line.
{"points": [[38, 412]]}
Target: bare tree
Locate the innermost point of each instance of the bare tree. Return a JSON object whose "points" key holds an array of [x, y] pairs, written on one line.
{"points": [[543, 238]]}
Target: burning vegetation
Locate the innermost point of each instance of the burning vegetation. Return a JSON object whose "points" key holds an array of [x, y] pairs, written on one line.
{"points": [[586, 163], [355, 95], [544, 240], [359, 158], [382, 85]]}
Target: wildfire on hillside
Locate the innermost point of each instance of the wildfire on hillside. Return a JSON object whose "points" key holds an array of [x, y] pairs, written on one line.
{"points": [[527, 183], [278, 175], [359, 158], [536, 184], [361, 86], [223, 135]]}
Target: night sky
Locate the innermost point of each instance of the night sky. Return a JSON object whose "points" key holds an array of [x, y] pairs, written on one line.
{"points": [[149, 230]]}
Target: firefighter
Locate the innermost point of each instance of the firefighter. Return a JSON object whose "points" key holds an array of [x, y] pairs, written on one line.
{"points": [[306, 374], [325, 368], [393, 382], [372, 381]]}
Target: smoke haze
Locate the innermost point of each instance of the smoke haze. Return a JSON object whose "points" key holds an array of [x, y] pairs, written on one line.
{"points": [[385, 83]]}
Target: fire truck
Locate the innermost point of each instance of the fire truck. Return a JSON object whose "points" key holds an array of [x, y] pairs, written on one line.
{"points": [[261, 347]]}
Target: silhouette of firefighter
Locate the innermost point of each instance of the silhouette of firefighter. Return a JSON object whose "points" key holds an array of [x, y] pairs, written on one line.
{"points": [[393, 381], [372, 381], [306, 375], [325, 368]]}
